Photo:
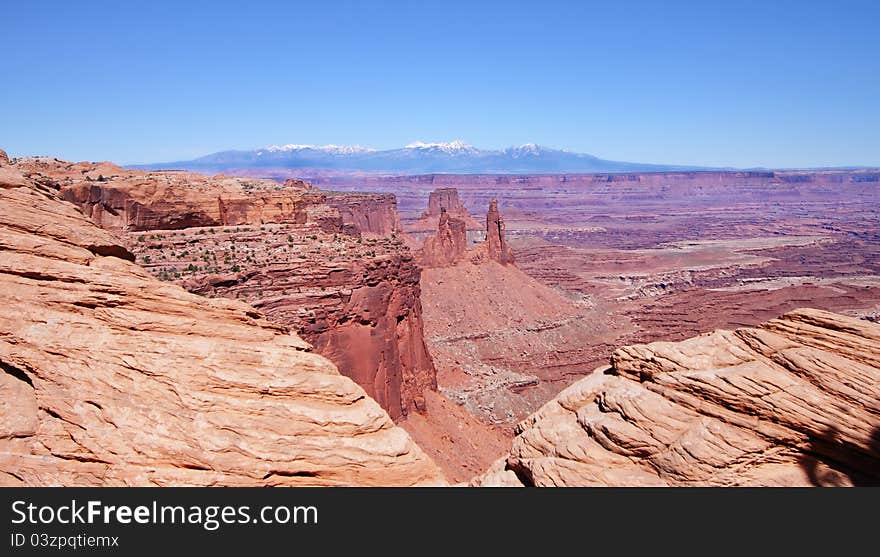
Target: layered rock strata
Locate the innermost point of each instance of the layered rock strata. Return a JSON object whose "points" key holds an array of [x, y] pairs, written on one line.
{"points": [[793, 402], [299, 254], [448, 245], [111, 377], [495, 247], [440, 200], [369, 214]]}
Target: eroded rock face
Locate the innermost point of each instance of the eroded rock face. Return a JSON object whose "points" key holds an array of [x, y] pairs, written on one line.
{"points": [[444, 199], [297, 184], [125, 200], [296, 253], [370, 214], [4, 158], [448, 245], [357, 301], [795, 401], [495, 247], [440, 200], [111, 377]]}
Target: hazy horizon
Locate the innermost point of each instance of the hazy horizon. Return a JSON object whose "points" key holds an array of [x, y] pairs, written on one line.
{"points": [[739, 85]]}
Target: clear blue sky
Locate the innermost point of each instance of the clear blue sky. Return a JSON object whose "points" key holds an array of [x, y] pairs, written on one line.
{"points": [[760, 83]]}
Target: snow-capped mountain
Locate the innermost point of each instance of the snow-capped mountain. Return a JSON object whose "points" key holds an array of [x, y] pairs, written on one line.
{"points": [[419, 157], [331, 149], [529, 150], [456, 147]]}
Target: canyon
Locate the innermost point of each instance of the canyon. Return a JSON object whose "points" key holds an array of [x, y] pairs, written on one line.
{"points": [[113, 377], [327, 265], [647, 257], [518, 349]]}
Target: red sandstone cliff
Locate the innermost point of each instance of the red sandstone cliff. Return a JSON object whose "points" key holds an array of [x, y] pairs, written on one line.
{"points": [[111, 377], [294, 252], [444, 199], [123, 200], [370, 214], [448, 245], [357, 303], [495, 247], [440, 200]]}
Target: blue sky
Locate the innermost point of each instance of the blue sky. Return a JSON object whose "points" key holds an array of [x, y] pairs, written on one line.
{"points": [[730, 83]]}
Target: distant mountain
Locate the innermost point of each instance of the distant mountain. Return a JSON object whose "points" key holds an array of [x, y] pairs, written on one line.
{"points": [[415, 158]]}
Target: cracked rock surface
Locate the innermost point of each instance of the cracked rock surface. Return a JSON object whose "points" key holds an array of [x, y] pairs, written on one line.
{"points": [[795, 401], [112, 377]]}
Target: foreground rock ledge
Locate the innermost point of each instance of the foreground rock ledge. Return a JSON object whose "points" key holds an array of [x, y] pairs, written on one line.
{"points": [[111, 377], [795, 401]]}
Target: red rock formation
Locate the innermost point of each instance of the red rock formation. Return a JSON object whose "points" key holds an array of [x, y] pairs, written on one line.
{"points": [[120, 199], [439, 200], [795, 401], [356, 300], [444, 199], [370, 214], [495, 247], [678, 205], [297, 184], [111, 377], [4, 158], [284, 250], [448, 245]]}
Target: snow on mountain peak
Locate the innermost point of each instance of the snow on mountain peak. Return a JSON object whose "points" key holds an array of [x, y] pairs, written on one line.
{"points": [[456, 146], [334, 149], [529, 148], [532, 149]]}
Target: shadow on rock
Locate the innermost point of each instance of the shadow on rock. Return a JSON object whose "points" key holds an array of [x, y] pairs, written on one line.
{"points": [[828, 462]]}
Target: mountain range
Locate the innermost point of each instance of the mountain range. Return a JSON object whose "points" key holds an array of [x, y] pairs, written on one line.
{"points": [[414, 158]]}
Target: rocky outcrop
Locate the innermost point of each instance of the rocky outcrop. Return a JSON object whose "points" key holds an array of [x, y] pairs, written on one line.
{"points": [[448, 245], [370, 214], [4, 158], [440, 200], [285, 249], [126, 200], [795, 401], [356, 300], [297, 184], [495, 247], [444, 199], [111, 377]]}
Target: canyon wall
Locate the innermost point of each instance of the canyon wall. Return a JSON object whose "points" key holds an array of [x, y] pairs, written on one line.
{"points": [[368, 213], [448, 245], [794, 401], [357, 303], [439, 201], [111, 377], [286, 249], [444, 199], [574, 199], [118, 199]]}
